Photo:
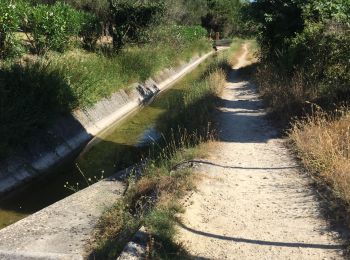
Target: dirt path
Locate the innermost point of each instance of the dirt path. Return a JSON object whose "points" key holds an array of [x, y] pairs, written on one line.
{"points": [[252, 202]]}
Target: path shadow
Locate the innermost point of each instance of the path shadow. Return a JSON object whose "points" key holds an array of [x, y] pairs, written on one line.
{"points": [[262, 242], [245, 168], [243, 119]]}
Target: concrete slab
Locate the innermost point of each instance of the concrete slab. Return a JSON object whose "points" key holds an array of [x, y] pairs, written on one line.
{"points": [[61, 230]]}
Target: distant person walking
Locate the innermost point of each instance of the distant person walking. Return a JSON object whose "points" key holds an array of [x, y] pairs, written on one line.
{"points": [[214, 46]]}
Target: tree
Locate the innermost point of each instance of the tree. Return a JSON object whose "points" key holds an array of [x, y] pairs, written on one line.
{"points": [[223, 16], [130, 19], [277, 21], [184, 12], [51, 27]]}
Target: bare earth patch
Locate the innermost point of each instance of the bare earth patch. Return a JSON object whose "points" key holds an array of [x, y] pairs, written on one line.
{"points": [[253, 201]]}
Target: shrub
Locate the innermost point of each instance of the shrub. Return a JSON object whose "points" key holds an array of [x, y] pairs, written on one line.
{"points": [[9, 25], [320, 52], [132, 19], [91, 30], [179, 39], [52, 26], [189, 33], [305, 43]]}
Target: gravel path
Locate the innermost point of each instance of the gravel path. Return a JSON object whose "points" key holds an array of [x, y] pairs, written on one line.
{"points": [[253, 203]]}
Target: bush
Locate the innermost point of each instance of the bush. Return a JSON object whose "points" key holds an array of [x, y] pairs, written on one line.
{"points": [[132, 19], [52, 27], [305, 43], [91, 30], [320, 52], [9, 25], [189, 33], [178, 37]]}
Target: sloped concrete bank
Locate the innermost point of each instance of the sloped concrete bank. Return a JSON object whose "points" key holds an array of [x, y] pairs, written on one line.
{"points": [[70, 133], [61, 231]]}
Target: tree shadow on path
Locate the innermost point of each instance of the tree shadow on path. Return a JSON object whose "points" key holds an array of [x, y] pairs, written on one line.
{"points": [[261, 242]]}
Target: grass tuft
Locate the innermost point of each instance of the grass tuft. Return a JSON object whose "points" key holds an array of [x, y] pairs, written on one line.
{"points": [[323, 144]]}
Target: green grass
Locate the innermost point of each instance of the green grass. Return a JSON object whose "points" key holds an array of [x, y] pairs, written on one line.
{"points": [[93, 76], [153, 199], [35, 90]]}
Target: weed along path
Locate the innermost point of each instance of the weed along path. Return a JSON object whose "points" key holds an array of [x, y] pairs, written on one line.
{"points": [[252, 201]]}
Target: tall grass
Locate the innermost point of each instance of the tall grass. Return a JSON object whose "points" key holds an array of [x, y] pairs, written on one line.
{"points": [[285, 96], [323, 144], [37, 89]]}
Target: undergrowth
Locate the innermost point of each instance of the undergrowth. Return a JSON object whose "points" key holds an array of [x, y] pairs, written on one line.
{"points": [[151, 200], [285, 96]]}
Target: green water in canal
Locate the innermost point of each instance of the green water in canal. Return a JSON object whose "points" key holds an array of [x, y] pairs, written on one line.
{"points": [[116, 149]]}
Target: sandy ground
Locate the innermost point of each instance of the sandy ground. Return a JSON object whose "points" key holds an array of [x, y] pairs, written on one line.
{"points": [[253, 202]]}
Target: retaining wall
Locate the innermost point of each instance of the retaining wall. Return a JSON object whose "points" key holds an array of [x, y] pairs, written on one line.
{"points": [[68, 134]]}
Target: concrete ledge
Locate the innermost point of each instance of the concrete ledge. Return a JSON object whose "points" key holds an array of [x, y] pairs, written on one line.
{"points": [[70, 133], [7, 255], [61, 230]]}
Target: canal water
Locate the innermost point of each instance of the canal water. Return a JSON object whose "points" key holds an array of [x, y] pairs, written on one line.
{"points": [[122, 145]]}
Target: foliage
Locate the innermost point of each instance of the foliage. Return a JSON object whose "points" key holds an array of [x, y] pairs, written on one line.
{"points": [[98, 8], [223, 16], [90, 31], [50, 27], [177, 35], [189, 33], [10, 14], [131, 19], [308, 41], [277, 21], [183, 12]]}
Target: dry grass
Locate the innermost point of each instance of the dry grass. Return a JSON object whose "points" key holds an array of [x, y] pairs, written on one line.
{"points": [[217, 81], [284, 96], [323, 144], [233, 59], [253, 52]]}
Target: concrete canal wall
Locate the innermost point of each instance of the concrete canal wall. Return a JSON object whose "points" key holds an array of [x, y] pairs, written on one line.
{"points": [[68, 134]]}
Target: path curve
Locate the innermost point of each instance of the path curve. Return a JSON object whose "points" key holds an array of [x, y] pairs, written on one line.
{"points": [[253, 202]]}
